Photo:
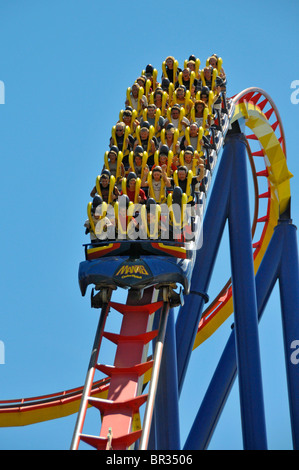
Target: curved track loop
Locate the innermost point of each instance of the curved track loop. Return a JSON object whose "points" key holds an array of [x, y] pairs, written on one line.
{"points": [[271, 184], [262, 118], [25, 411]]}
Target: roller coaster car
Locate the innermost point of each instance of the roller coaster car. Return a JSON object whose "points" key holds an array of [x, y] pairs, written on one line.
{"points": [[137, 264]]}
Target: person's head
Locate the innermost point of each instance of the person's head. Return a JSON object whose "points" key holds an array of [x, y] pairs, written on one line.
{"points": [[112, 155], [144, 133], [213, 61], [135, 90], [175, 112], [180, 92], [191, 65], [127, 117], [193, 130], [204, 94], [169, 61], [151, 109], [138, 159], [157, 173], [104, 180], [163, 159], [169, 132], [149, 70], [188, 156], [120, 129], [199, 107], [141, 81], [186, 74], [182, 173], [158, 94], [208, 72], [131, 181]]}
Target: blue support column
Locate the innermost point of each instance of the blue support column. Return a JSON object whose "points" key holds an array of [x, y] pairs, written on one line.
{"points": [[224, 377], [214, 222], [245, 306], [289, 295], [214, 400]]}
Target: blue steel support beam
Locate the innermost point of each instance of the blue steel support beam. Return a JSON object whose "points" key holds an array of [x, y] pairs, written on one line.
{"points": [[214, 221], [214, 400], [224, 377], [289, 296], [245, 305]]}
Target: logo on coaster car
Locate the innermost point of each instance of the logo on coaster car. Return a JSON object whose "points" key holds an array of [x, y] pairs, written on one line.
{"points": [[132, 271]]}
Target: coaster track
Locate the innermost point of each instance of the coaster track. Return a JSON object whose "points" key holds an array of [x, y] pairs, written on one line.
{"points": [[132, 370]]}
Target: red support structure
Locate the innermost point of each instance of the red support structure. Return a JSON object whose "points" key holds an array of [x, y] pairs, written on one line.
{"points": [[124, 399]]}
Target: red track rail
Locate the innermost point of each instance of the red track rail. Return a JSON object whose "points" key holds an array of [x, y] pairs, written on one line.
{"points": [[264, 102]]}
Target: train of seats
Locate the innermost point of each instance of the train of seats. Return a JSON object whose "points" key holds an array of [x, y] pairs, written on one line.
{"points": [[159, 153]]}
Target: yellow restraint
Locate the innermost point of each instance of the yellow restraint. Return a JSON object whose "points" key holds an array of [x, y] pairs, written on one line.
{"points": [[179, 221], [199, 137], [148, 85], [187, 99], [137, 188], [188, 186], [175, 68], [111, 187], [162, 196], [89, 214], [204, 118], [219, 64], [164, 102], [134, 116], [130, 211], [170, 94], [210, 100], [150, 136], [155, 75], [144, 162], [192, 78], [157, 117], [118, 164], [175, 137], [152, 231], [140, 95], [182, 114], [169, 160], [124, 149], [195, 161], [214, 75], [197, 65]]}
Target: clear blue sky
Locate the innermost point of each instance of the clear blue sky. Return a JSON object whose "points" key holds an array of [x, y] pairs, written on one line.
{"points": [[66, 66]]}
